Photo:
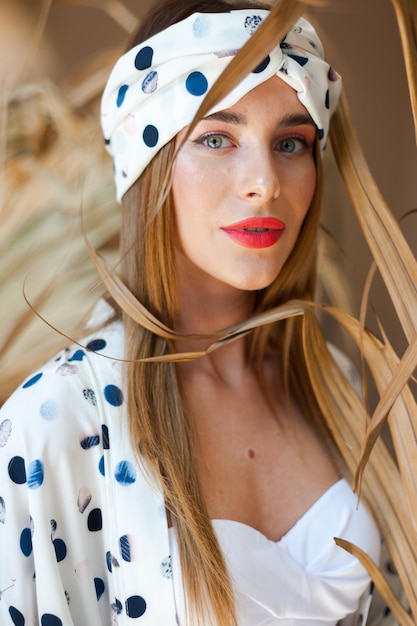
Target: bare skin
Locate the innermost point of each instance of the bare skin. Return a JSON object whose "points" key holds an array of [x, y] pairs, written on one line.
{"points": [[253, 469], [260, 467]]}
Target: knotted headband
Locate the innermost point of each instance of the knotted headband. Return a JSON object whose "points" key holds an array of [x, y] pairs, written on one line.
{"points": [[156, 88]]}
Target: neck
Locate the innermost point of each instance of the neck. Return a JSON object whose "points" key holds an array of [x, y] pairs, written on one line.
{"points": [[203, 310], [209, 306]]}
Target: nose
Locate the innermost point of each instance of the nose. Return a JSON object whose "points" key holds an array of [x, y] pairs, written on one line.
{"points": [[259, 176]]}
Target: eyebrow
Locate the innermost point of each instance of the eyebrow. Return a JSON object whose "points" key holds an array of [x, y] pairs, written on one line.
{"points": [[229, 117], [297, 119], [292, 119]]}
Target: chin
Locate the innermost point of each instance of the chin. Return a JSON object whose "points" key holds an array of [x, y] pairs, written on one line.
{"points": [[256, 280], [257, 284]]}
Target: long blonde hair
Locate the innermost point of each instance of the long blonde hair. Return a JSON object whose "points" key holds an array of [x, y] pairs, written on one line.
{"points": [[160, 424]]}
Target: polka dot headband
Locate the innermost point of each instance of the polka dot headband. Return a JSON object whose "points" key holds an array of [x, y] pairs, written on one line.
{"points": [[156, 88]]}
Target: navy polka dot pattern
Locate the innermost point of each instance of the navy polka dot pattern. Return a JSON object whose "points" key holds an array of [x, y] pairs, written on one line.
{"points": [[156, 88], [95, 520], [135, 606], [125, 473], [35, 474], [100, 587], [143, 59], [121, 95], [196, 84], [113, 395], [17, 471], [32, 381], [50, 620], [77, 356], [89, 441], [96, 345], [26, 541], [125, 548], [150, 136], [60, 549], [262, 66], [17, 617], [75, 545]]}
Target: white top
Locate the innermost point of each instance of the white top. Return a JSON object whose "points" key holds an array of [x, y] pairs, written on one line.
{"points": [[304, 578], [83, 533]]}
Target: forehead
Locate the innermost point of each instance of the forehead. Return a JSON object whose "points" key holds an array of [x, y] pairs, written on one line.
{"points": [[275, 91], [273, 97], [271, 104]]}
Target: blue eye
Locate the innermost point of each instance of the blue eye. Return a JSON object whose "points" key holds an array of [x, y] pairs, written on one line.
{"points": [[288, 145], [294, 145], [214, 141]]}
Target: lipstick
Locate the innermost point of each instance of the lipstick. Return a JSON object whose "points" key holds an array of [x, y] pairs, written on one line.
{"points": [[255, 232]]}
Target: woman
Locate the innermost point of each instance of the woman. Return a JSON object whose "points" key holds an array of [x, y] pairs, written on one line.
{"points": [[205, 490]]}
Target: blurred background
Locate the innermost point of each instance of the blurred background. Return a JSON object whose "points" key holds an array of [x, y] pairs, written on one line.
{"points": [[56, 185]]}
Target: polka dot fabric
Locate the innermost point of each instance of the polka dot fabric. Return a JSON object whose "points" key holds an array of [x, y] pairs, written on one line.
{"points": [[156, 88], [75, 546]]}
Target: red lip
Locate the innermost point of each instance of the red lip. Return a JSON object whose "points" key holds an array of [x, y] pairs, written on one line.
{"points": [[256, 232], [257, 222]]}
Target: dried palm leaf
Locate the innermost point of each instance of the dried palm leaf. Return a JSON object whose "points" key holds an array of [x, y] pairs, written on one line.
{"points": [[399, 612]]}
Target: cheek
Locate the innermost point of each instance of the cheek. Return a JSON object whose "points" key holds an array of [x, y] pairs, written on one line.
{"points": [[197, 192], [182, 192], [306, 186], [187, 195], [188, 184]]}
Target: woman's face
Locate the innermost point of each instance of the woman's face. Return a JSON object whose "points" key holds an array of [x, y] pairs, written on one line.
{"points": [[242, 185]]}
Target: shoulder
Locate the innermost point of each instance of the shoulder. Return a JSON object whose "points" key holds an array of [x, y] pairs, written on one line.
{"points": [[77, 386]]}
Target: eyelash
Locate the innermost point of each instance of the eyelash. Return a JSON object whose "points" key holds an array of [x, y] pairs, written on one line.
{"points": [[201, 140], [306, 144]]}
